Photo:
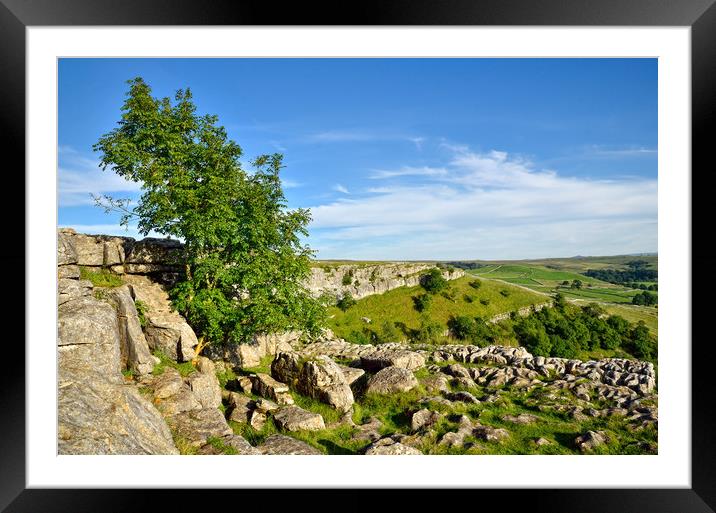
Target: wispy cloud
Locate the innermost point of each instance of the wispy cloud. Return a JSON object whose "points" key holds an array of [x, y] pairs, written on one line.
{"points": [[341, 188], [489, 205], [379, 174], [78, 177], [287, 183]]}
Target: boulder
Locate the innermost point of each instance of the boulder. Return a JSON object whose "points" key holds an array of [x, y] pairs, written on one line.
{"points": [[100, 416], [285, 445], [381, 359], [265, 386], [490, 434], [351, 373], [88, 337], [235, 444], [184, 400], [424, 419], [388, 446], [322, 379], [196, 426], [391, 380], [293, 418], [205, 385], [286, 367], [590, 440], [167, 384], [133, 344]]}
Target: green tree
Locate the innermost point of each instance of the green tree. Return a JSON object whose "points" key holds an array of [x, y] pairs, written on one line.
{"points": [[244, 261], [433, 281]]}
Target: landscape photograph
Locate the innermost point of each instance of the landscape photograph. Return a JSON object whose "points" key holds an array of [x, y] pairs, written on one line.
{"points": [[375, 256]]}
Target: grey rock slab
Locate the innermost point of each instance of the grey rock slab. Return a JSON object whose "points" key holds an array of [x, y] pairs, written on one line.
{"points": [[197, 425], [285, 445], [391, 380], [293, 418]]}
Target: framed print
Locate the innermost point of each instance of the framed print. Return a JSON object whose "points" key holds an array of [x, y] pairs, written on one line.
{"points": [[285, 240]]}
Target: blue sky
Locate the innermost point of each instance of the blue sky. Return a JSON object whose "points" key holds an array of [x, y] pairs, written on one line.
{"points": [[408, 158]]}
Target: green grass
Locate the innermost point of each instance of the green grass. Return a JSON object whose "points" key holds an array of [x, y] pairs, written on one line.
{"points": [[184, 368], [397, 306], [100, 277], [633, 313]]}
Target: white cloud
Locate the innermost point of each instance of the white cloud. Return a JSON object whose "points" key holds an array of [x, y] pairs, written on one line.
{"points": [[379, 174], [341, 188], [489, 205]]}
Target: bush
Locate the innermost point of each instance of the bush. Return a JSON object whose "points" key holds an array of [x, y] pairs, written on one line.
{"points": [[346, 302], [428, 332], [422, 302], [433, 281], [449, 294], [463, 327]]}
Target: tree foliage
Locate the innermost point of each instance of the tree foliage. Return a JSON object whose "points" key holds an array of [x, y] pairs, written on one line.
{"points": [[244, 259]]}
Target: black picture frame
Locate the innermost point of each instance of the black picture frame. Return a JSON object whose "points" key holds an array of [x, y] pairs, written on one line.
{"points": [[16, 15]]}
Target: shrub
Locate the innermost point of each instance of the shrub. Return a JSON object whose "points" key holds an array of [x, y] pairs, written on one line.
{"points": [[428, 332], [345, 302], [422, 302], [433, 281], [463, 327]]}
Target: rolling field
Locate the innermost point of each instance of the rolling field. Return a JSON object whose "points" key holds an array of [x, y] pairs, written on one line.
{"points": [[397, 306]]}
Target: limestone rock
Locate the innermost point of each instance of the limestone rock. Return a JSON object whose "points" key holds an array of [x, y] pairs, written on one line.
{"points": [[522, 418], [392, 358], [351, 373], [282, 444], [133, 344], [591, 440], [197, 425], [235, 443], [167, 384], [88, 337], [293, 418], [322, 379], [68, 271], [388, 446], [70, 289], [66, 252], [184, 400], [265, 386], [423, 419], [286, 366], [205, 387], [166, 330], [391, 380], [98, 416]]}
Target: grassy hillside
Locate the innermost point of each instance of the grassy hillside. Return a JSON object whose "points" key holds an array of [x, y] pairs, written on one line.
{"points": [[397, 306], [547, 280]]}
